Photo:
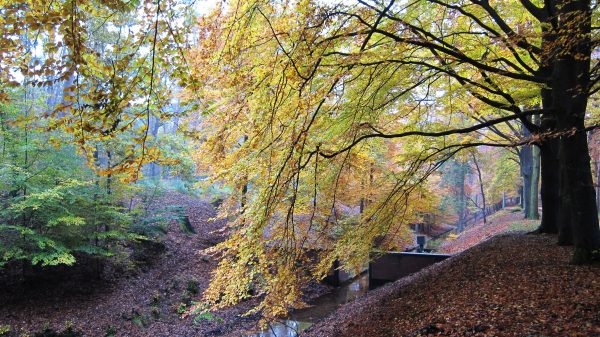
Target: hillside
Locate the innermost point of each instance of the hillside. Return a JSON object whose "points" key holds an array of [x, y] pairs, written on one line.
{"points": [[511, 285], [146, 302], [503, 221]]}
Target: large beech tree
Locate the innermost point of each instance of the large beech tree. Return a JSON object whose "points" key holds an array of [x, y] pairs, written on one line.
{"points": [[309, 86], [548, 46]]}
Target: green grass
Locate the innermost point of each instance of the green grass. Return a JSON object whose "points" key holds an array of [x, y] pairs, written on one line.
{"points": [[523, 226]]}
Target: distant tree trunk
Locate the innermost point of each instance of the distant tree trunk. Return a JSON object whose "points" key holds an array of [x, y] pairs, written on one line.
{"points": [[461, 197], [109, 176], [533, 213], [365, 200], [154, 167], [361, 205], [526, 161], [244, 190], [480, 187]]}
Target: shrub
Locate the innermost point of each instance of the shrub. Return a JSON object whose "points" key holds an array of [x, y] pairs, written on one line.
{"points": [[4, 330], [49, 226]]}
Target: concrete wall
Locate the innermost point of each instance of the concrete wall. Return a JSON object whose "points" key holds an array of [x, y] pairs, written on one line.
{"points": [[337, 277], [392, 266]]}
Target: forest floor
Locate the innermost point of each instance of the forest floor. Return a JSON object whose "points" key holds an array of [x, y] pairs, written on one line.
{"points": [[513, 284], [135, 304], [505, 283]]}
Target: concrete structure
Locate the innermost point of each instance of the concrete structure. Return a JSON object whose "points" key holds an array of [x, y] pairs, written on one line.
{"points": [[392, 266]]}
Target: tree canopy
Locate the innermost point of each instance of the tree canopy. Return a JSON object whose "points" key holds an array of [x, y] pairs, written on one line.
{"points": [[310, 105], [328, 121]]}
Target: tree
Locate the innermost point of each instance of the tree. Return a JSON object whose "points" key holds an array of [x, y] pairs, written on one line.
{"points": [[453, 177], [483, 207], [108, 62], [532, 212], [52, 209], [311, 84]]}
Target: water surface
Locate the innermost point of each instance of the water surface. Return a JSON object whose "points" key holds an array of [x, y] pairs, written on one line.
{"points": [[320, 308]]}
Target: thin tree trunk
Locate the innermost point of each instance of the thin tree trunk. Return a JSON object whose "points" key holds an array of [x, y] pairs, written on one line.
{"points": [[480, 186], [109, 176], [461, 196], [525, 161], [533, 188]]}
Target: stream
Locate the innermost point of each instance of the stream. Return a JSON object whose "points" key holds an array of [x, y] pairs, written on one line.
{"points": [[320, 308]]}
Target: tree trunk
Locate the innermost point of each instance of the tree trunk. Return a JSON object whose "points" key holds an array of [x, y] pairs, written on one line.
{"points": [[109, 176], [570, 88], [550, 177], [525, 161], [533, 213], [597, 164], [480, 187], [461, 196], [549, 187]]}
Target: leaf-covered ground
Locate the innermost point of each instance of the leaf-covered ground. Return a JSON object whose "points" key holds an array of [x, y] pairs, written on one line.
{"points": [[141, 304], [511, 285], [504, 221]]}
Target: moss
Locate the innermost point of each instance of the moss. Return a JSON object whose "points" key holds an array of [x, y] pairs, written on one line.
{"points": [[4, 330], [111, 331], [193, 286], [523, 226]]}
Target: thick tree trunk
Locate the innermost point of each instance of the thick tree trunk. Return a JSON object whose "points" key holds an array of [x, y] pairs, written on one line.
{"points": [[549, 187], [565, 232], [570, 88], [584, 214]]}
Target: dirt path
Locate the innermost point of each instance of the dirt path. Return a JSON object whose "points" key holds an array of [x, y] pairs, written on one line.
{"points": [[144, 304], [510, 285]]}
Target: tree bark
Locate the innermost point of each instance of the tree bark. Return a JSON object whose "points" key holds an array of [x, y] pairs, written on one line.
{"points": [[549, 187], [533, 213], [570, 88], [480, 187], [525, 161]]}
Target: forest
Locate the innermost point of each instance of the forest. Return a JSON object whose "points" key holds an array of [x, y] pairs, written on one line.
{"points": [[232, 167]]}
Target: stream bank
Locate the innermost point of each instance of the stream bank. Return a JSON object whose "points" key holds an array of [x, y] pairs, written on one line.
{"points": [[319, 308], [510, 285]]}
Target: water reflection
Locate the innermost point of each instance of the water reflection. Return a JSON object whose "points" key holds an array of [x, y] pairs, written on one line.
{"points": [[287, 328], [320, 308]]}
